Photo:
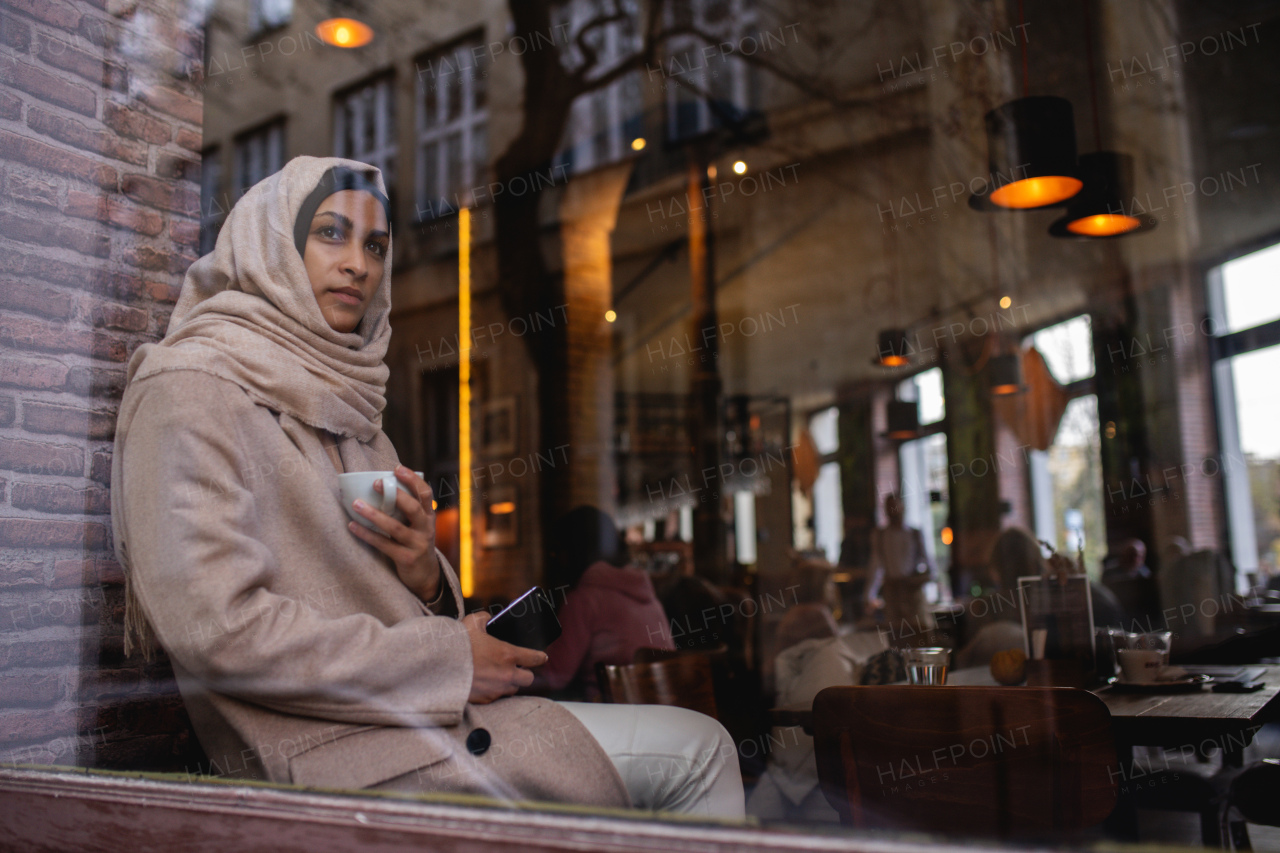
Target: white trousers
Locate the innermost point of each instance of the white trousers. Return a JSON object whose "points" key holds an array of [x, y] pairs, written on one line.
{"points": [[670, 759]]}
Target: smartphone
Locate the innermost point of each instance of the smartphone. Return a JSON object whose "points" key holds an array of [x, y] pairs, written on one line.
{"points": [[529, 621]]}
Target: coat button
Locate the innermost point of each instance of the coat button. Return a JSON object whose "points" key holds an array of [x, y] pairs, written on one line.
{"points": [[478, 741]]}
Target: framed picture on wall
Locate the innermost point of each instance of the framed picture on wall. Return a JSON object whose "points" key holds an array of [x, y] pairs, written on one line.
{"points": [[501, 517], [498, 427]]}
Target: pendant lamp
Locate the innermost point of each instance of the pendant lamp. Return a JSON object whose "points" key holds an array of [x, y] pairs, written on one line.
{"points": [[1099, 210], [1031, 151], [904, 420], [342, 26], [1005, 371], [891, 349]]}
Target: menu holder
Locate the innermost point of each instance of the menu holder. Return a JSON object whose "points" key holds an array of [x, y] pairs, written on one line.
{"points": [[1061, 607]]}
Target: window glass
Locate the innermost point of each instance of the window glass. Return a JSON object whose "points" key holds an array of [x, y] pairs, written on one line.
{"points": [[259, 153], [772, 342], [1067, 348], [605, 122], [365, 126], [1250, 298], [269, 14], [212, 210], [452, 122]]}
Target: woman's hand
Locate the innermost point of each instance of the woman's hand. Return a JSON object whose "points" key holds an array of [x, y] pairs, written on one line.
{"points": [[499, 669], [412, 546]]}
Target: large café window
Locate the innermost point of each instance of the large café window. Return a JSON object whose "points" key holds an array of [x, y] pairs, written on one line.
{"points": [[778, 341]]}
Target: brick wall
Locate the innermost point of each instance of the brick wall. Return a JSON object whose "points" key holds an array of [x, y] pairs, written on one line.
{"points": [[100, 131]]}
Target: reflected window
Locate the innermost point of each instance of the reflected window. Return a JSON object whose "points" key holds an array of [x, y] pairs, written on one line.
{"points": [[364, 126], [269, 14], [212, 211], [602, 124], [259, 153], [452, 121], [705, 88]]}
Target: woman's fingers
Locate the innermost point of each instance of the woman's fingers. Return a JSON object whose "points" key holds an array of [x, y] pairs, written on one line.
{"points": [[529, 657], [417, 486]]}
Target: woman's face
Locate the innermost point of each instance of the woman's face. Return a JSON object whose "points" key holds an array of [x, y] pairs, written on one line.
{"points": [[345, 253]]}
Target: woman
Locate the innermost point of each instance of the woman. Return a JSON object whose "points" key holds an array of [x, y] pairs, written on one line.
{"points": [[309, 650]]}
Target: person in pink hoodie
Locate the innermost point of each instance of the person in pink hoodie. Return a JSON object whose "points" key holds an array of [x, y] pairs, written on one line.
{"points": [[608, 610]]}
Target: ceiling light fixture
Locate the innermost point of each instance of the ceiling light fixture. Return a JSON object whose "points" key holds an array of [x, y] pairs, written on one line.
{"points": [[1031, 151], [1099, 211], [904, 420], [1005, 372], [344, 32], [891, 349]]}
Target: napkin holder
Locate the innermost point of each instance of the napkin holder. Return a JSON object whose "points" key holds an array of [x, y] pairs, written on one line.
{"points": [[1057, 624]]}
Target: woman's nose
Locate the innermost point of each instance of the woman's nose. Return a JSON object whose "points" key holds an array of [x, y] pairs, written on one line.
{"points": [[353, 262]]}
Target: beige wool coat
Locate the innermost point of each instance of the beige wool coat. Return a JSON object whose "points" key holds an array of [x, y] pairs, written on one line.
{"points": [[300, 655]]}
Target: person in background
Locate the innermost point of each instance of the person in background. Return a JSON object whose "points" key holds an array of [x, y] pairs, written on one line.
{"points": [[901, 567], [813, 593], [1134, 585], [608, 609], [996, 616]]}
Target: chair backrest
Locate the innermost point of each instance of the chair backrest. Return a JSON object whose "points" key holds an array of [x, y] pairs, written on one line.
{"points": [[684, 681], [972, 760], [649, 654], [1253, 793]]}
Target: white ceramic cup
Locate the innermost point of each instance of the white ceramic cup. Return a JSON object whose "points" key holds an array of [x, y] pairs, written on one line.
{"points": [[359, 484], [1140, 666]]}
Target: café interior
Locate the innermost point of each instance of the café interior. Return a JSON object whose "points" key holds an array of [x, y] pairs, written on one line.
{"points": [[921, 358]]}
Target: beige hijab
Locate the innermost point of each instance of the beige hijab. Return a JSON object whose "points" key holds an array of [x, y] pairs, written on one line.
{"points": [[247, 314]]}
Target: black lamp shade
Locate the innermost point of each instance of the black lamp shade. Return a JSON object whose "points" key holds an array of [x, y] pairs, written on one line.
{"points": [[1005, 372], [891, 349], [1031, 149], [904, 420], [1103, 209]]}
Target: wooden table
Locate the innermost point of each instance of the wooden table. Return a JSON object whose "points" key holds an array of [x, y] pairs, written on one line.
{"points": [[1228, 720], [1198, 721], [1202, 718]]}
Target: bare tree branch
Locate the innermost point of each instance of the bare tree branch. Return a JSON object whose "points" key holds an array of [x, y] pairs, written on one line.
{"points": [[592, 56]]}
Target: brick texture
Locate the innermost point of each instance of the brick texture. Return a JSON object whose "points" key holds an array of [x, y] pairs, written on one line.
{"points": [[99, 219], [77, 133], [49, 87]]}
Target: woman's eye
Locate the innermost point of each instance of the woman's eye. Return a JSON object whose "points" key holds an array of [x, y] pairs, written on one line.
{"points": [[378, 249], [330, 232]]}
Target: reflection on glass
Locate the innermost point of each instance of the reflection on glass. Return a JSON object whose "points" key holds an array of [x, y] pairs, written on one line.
{"points": [[680, 260]]}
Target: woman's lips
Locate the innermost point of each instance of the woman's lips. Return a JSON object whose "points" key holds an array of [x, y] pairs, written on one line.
{"points": [[346, 298]]}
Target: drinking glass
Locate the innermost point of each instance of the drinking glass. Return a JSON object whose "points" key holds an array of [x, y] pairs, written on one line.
{"points": [[926, 665]]}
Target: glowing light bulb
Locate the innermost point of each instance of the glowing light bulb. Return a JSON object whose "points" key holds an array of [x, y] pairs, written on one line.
{"points": [[610, 315], [344, 32], [1103, 225], [1036, 192], [638, 144], [740, 168], [1005, 302]]}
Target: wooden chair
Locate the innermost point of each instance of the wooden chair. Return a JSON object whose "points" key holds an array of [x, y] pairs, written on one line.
{"points": [[683, 680], [1251, 799], [648, 654], [971, 760]]}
